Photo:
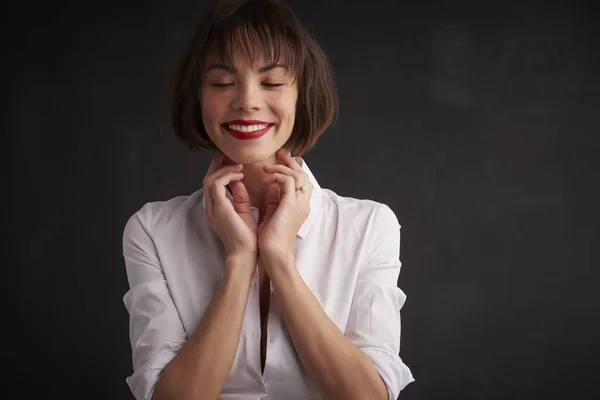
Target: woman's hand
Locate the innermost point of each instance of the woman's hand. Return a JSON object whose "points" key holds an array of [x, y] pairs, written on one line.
{"points": [[286, 208], [233, 223]]}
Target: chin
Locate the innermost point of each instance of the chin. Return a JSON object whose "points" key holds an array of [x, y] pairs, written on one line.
{"points": [[249, 156]]}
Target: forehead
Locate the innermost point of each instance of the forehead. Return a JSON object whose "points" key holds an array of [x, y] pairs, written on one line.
{"points": [[250, 48], [239, 59]]}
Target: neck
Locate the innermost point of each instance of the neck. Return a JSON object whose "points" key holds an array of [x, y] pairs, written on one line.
{"points": [[252, 180]]}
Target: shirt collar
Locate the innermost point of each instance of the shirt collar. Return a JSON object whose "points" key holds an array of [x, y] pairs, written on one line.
{"points": [[315, 200]]}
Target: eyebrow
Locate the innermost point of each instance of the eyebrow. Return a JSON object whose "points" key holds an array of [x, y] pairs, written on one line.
{"points": [[231, 69]]}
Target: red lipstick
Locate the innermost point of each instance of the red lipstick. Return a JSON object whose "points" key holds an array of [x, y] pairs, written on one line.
{"points": [[246, 135]]}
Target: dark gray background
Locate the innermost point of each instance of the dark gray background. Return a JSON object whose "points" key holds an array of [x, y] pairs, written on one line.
{"points": [[476, 123]]}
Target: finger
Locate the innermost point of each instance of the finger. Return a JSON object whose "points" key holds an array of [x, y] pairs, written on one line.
{"points": [[209, 179], [299, 177], [286, 158], [216, 162], [241, 199], [272, 196], [218, 188], [287, 183]]}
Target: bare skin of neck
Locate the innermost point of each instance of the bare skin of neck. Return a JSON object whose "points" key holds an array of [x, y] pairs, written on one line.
{"points": [[253, 174]]}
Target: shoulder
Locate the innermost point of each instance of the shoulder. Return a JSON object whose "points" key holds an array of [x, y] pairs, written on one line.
{"points": [[153, 215], [367, 214]]}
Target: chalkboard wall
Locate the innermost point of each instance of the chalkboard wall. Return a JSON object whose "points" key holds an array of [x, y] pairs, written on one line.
{"points": [[477, 123]]}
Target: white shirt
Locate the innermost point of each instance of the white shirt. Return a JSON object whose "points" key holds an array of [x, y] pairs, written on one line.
{"points": [[347, 252]]}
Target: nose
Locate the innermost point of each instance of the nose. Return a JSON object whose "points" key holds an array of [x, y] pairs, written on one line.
{"points": [[247, 98]]}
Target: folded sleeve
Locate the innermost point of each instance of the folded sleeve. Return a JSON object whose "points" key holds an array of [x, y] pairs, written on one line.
{"points": [[374, 322], [155, 329]]}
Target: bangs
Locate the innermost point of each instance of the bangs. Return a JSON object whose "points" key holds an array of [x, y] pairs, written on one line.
{"points": [[256, 32], [261, 31]]}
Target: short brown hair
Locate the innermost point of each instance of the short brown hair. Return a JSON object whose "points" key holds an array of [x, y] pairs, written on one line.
{"points": [[269, 27]]}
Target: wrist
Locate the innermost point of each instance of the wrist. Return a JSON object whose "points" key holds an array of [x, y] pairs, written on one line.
{"points": [[276, 257], [276, 249], [241, 265], [242, 257]]}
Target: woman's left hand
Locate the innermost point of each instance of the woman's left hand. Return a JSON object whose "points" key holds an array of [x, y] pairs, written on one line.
{"points": [[286, 208]]}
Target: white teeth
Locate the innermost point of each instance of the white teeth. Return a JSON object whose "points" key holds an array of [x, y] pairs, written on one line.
{"points": [[247, 128]]}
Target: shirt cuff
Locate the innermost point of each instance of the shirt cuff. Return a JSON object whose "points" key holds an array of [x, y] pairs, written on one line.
{"points": [[143, 381], [395, 374]]}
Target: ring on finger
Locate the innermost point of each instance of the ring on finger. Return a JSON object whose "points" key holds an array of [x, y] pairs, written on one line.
{"points": [[302, 188]]}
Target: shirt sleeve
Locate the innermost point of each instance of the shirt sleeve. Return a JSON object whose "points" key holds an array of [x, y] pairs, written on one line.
{"points": [[155, 329], [374, 323]]}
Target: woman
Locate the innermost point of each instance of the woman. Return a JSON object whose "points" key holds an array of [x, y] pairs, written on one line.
{"points": [[261, 284]]}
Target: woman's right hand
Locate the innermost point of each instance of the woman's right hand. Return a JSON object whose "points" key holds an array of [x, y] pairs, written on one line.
{"points": [[233, 222]]}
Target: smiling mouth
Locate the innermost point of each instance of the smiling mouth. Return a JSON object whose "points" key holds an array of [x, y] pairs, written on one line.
{"points": [[246, 128], [247, 132]]}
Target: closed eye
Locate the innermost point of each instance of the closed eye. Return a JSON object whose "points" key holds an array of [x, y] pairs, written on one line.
{"points": [[271, 85]]}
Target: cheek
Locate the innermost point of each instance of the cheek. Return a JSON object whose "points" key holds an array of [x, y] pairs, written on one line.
{"points": [[212, 107], [286, 107]]}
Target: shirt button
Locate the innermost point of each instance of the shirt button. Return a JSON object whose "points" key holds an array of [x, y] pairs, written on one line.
{"points": [[272, 339]]}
